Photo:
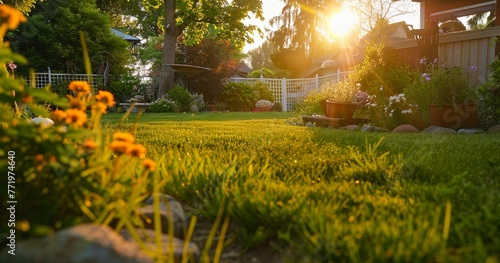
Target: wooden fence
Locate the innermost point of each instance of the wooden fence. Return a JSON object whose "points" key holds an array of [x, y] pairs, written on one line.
{"points": [[462, 49]]}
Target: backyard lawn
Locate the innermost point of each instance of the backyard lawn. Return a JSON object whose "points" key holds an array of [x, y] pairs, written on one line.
{"points": [[326, 195]]}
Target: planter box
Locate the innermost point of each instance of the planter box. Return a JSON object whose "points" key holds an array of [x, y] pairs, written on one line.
{"points": [[138, 107], [458, 117]]}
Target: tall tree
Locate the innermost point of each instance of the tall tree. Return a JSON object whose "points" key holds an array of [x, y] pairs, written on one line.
{"points": [[261, 57], [50, 37], [302, 28], [372, 12], [221, 56], [23, 6], [194, 17]]}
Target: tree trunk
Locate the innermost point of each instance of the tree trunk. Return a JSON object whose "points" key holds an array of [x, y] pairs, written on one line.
{"points": [[166, 76]]}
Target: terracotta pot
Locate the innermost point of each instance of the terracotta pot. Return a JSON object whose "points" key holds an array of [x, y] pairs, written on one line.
{"points": [[454, 117], [322, 104], [340, 110]]}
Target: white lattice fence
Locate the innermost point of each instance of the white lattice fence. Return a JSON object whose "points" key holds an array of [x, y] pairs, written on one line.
{"points": [[291, 91], [61, 80]]}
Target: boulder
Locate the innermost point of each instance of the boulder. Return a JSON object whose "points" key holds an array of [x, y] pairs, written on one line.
{"points": [[148, 237], [169, 207], [405, 128], [471, 131], [494, 129], [80, 244], [350, 128], [369, 128], [439, 130], [44, 122]]}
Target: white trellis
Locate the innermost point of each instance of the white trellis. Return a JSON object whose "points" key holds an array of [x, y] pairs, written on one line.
{"points": [[286, 91], [290, 91]]}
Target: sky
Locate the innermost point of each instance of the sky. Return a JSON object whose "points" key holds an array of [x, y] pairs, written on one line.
{"points": [[272, 8]]}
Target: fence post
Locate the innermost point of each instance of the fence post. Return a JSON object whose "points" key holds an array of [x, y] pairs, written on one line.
{"points": [[50, 76], [284, 98], [338, 74], [316, 82]]}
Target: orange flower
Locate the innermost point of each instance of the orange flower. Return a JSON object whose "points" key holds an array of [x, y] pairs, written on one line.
{"points": [[119, 147], [89, 144], [99, 107], [58, 116], [76, 117], [26, 99], [76, 103], [106, 98], [79, 87], [11, 16], [137, 150], [124, 137], [149, 164]]}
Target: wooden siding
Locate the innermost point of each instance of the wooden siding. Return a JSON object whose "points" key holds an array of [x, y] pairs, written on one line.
{"points": [[462, 49]]}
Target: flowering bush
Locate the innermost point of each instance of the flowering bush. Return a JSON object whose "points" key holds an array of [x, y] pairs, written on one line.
{"points": [[263, 104], [71, 171], [164, 105], [136, 98], [440, 85], [198, 99]]}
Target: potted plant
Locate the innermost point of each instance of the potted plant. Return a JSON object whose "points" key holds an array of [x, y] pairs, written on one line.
{"points": [[342, 101], [449, 95]]}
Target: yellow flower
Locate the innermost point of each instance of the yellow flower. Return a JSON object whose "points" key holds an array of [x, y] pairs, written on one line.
{"points": [[76, 117], [89, 144], [106, 98], [99, 107], [76, 103], [149, 164], [11, 16], [58, 116], [119, 147], [79, 87], [137, 150], [123, 136]]}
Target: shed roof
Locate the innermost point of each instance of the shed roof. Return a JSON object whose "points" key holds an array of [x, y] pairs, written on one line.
{"points": [[129, 38]]}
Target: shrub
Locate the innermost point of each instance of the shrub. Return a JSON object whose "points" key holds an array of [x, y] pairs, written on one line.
{"points": [[164, 105], [489, 98], [264, 92], [181, 96], [239, 96], [123, 88], [383, 76], [70, 171]]}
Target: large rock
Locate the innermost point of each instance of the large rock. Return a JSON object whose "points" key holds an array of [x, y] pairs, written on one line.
{"points": [[148, 237], [439, 130], [494, 129], [169, 207], [369, 128], [80, 244], [44, 122], [471, 131], [405, 128]]}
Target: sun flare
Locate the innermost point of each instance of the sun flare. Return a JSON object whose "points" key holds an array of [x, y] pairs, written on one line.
{"points": [[343, 23]]}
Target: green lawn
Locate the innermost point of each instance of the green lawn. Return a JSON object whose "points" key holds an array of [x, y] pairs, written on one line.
{"points": [[332, 195]]}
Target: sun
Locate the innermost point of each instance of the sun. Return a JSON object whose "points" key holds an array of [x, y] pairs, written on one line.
{"points": [[343, 23]]}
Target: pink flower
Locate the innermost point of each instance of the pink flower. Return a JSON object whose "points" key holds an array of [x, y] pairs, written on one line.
{"points": [[12, 66]]}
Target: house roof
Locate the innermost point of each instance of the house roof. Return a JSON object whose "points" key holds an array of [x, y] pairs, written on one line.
{"points": [[129, 38]]}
